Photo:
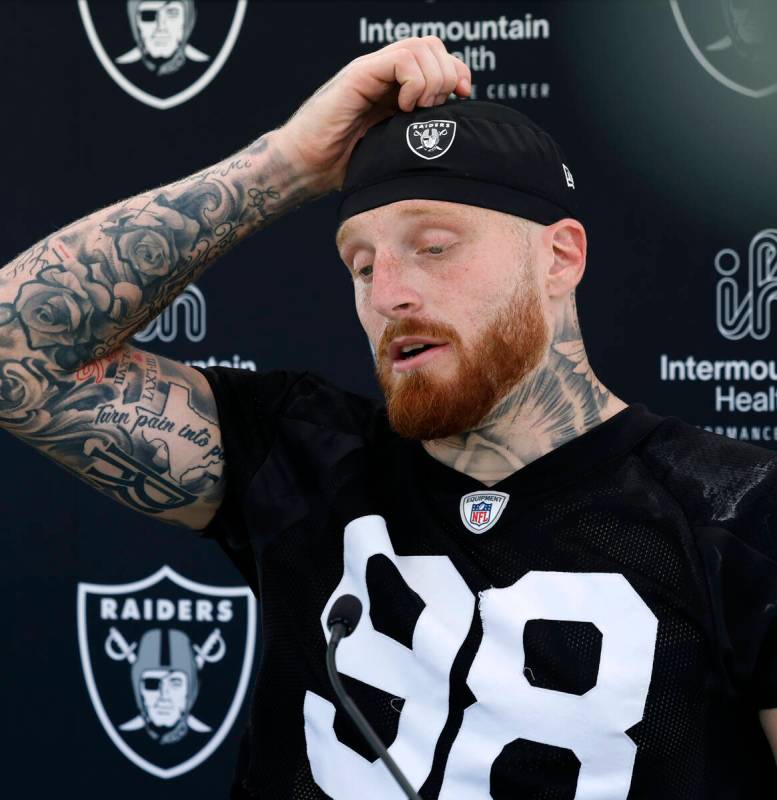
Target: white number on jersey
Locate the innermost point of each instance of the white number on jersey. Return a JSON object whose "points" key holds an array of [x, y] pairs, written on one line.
{"points": [[421, 676], [508, 707]]}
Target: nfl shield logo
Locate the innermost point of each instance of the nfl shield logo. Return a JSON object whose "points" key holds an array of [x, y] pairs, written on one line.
{"points": [[481, 510], [167, 662], [481, 513], [162, 52], [431, 139]]}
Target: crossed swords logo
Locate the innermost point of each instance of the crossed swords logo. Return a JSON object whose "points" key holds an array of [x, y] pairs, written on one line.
{"points": [[429, 139], [119, 649]]}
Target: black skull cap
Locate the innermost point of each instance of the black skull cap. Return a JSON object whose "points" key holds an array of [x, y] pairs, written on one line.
{"points": [[464, 151]]}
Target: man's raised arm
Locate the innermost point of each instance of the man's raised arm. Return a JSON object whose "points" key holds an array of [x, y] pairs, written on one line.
{"points": [[79, 293], [142, 428]]}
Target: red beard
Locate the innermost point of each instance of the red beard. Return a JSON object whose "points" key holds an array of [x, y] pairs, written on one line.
{"points": [[423, 406]]}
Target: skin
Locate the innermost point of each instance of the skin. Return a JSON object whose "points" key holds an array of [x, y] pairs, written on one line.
{"points": [[446, 262]]}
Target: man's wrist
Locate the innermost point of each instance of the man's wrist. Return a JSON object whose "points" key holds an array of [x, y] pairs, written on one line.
{"points": [[269, 177], [309, 176]]}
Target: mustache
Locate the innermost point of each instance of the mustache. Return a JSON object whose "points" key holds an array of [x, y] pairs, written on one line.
{"points": [[413, 326]]}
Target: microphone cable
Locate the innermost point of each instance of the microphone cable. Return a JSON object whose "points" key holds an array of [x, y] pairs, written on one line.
{"points": [[342, 621]]}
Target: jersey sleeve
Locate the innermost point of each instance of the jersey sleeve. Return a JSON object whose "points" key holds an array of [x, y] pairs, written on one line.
{"points": [[728, 492], [742, 586], [248, 405], [286, 437]]}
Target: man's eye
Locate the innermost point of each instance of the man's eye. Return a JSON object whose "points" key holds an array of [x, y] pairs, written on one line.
{"points": [[364, 272], [435, 250]]}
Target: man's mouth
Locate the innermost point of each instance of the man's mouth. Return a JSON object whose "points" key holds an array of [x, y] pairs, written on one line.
{"points": [[409, 352]]}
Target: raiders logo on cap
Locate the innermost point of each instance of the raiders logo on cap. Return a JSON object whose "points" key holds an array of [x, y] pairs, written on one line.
{"points": [[431, 139]]}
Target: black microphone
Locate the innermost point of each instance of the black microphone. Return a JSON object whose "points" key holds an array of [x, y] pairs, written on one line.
{"points": [[343, 618]]}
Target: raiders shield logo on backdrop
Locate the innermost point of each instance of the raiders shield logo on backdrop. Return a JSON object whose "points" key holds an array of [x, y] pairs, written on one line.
{"points": [[167, 662], [734, 40], [162, 52], [431, 139]]}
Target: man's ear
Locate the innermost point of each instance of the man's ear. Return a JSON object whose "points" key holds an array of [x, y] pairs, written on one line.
{"points": [[567, 244]]}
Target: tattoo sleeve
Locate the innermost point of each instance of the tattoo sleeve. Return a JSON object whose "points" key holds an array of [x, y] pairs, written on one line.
{"points": [[79, 294], [140, 428]]}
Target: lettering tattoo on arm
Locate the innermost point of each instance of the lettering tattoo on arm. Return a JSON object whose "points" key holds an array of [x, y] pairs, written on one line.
{"points": [[140, 428], [132, 424]]}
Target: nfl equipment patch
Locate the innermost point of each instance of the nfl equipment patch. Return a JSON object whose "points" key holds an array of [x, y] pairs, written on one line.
{"points": [[431, 139], [481, 510]]}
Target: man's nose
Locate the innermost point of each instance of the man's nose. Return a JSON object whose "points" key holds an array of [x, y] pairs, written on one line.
{"points": [[393, 293]]}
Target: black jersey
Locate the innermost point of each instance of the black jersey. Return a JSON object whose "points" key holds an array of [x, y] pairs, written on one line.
{"points": [[599, 625]]}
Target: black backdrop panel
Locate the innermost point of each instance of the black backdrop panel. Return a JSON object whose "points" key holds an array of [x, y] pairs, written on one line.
{"points": [[671, 142]]}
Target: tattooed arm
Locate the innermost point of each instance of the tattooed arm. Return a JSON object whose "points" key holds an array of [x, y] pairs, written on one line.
{"points": [[78, 294], [139, 427]]}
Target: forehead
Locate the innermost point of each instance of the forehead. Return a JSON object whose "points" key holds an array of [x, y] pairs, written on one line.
{"points": [[403, 212], [155, 5], [162, 673]]}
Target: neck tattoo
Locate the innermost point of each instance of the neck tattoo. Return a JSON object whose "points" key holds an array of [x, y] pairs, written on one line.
{"points": [[558, 401]]}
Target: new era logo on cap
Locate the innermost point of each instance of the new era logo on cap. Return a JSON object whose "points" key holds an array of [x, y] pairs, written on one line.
{"points": [[431, 139], [568, 176]]}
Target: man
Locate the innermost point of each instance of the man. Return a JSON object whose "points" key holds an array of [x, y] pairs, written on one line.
{"points": [[565, 596]]}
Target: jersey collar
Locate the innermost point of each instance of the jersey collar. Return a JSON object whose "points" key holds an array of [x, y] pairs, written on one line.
{"points": [[567, 464]]}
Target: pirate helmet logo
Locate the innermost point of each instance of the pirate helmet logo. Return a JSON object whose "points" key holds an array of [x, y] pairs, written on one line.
{"points": [[161, 31], [146, 648], [431, 139], [164, 67], [164, 676], [734, 41]]}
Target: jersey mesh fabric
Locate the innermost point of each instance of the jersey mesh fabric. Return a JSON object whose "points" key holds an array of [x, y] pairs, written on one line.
{"points": [[688, 519]]}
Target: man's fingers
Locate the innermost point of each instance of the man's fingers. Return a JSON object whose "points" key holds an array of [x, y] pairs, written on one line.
{"points": [[441, 72], [447, 65], [410, 77], [423, 68], [390, 66], [432, 71], [463, 77]]}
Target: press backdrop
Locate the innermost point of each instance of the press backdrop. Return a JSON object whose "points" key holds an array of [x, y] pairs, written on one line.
{"points": [[667, 112]]}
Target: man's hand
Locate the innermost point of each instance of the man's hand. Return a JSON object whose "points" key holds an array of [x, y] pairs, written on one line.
{"points": [[320, 136]]}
